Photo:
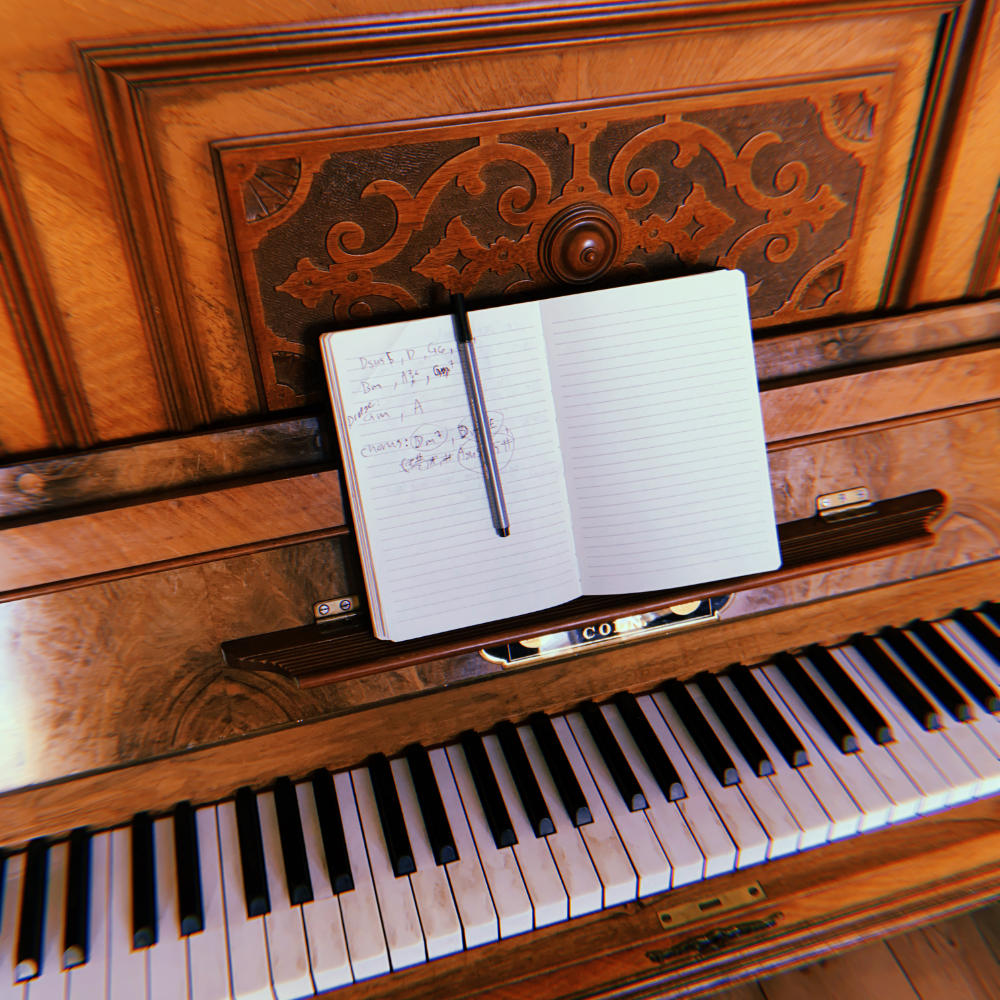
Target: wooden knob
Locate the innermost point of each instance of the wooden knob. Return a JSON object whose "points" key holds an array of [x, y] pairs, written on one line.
{"points": [[579, 244]]}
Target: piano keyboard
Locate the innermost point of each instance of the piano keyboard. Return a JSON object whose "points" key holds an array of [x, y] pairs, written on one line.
{"points": [[309, 886]]}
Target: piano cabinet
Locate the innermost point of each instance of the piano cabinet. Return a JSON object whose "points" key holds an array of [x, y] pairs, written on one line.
{"points": [[169, 482]]}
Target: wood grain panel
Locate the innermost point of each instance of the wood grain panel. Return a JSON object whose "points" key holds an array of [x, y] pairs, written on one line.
{"points": [[165, 532], [180, 96], [881, 395], [39, 365]]}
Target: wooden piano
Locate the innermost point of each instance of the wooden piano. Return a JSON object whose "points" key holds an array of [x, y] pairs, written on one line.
{"points": [[189, 197]]}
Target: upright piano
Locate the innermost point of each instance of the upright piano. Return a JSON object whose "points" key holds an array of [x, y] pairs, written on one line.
{"points": [[216, 782]]}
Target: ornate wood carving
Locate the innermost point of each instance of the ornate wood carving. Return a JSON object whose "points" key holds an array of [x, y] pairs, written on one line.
{"points": [[394, 221]]}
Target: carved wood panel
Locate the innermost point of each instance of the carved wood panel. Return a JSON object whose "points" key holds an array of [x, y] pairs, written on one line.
{"points": [[342, 228]]}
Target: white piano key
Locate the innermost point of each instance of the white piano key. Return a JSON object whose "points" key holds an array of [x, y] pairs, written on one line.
{"points": [[618, 879], [208, 949], [323, 920], [548, 896], [90, 980], [962, 736], [686, 860], [366, 945], [431, 891], [719, 821], [476, 912], [936, 791], [286, 936], [637, 836], [878, 760], [510, 896], [874, 804], [816, 826], [250, 973], [395, 897], [13, 876], [50, 983], [783, 832], [576, 868], [127, 969], [168, 971]]}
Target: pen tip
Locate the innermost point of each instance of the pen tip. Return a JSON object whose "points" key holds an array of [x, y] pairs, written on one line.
{"points": [[504, 532]]}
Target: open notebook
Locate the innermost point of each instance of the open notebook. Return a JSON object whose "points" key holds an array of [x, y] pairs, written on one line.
{"points": [[627, 428]]}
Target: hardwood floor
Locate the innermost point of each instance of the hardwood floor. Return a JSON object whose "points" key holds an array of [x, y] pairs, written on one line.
{"points": [[957, 959]]}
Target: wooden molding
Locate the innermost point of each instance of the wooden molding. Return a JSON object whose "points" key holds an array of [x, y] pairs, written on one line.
{"points": [[132, 82]]}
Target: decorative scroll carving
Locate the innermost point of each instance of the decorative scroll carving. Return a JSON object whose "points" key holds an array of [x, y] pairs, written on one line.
{"points": [[395, 222]]}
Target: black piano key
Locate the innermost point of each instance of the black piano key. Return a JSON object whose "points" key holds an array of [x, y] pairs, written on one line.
{"points": [[525, 781], [144, 928], [701, 733], [76, 926], [979, 630], [869, 718], [255, 888], [487, 789], [735, 725], [960, 669], [618, 766], [568, 788], [926, 671], [659, 764], [293, 844], [397, 840], [770, 719], [331, 827], [191, 911], [817, 703], [31, 926], [910, 696], [992, 611], [432, 811]]}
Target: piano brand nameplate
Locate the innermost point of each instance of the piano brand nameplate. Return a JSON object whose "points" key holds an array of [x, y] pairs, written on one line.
{"points": [[612, 632]]}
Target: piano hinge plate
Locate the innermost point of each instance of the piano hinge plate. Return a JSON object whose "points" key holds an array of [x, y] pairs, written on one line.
{"points": [[854, 502], [724, 902], [336, 608]]}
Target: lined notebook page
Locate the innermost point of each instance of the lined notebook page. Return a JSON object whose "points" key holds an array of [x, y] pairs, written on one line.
{"points": [[662, 438], [409, 446]]}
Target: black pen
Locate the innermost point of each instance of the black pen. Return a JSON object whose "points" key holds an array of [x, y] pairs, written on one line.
{"points": [[480, 418]]}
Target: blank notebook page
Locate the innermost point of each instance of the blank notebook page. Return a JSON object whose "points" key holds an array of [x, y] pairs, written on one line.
{"points": [[659, 413], [411, 450]]}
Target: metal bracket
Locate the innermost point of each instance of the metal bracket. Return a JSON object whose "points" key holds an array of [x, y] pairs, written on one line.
{"points": [[854, 502], [335, 608]]}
